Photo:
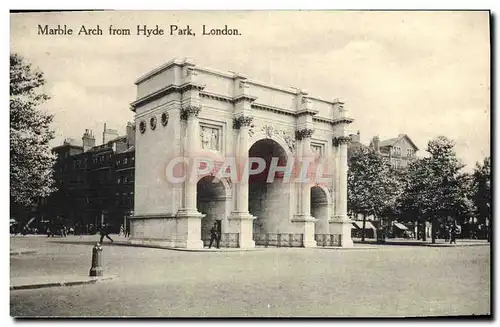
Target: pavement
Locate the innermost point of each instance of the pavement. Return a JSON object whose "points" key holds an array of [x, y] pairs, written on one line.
{"points": [[413, 242], [22, 251], [33, 282], [384, 281], [123, 241]]}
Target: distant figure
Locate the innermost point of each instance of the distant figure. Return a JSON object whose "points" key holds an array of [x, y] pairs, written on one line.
{"points": [[104, 231], [214, 235], [454, 231], [127, 230]]}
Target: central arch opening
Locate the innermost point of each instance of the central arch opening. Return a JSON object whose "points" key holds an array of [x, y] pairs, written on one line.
{"points": [[210, 201], [268, 201], [319, 209]]}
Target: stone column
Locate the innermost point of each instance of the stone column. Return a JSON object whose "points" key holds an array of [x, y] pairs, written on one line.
{"points": [[240, 220], [342, 185], [304, 221], [340, 223], [189, 152], [189, 219]]}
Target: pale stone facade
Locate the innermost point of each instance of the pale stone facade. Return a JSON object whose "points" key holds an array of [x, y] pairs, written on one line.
{"points": [[186, 110]]}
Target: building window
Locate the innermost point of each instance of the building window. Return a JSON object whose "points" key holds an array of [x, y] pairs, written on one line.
{"points": [[125, 161], [119, 180], [410, 153]]}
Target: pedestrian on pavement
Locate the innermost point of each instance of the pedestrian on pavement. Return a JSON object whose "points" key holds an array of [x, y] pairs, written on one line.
{"points": [[104, 231], [454, 231], [127, 230], [214, 235]]}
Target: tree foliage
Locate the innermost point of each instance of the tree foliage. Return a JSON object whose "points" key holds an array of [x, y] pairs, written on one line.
{"points": [[436, 188], [481, 189], [31, 161], [372, 185]]}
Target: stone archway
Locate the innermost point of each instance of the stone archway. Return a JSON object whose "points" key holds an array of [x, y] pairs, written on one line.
{"points": [[268, 201], [320, 208], [211, 201], [179, 100]]}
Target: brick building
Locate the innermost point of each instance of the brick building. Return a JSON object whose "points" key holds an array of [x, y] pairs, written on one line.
{"points": [[399, 151], [95, 182]]}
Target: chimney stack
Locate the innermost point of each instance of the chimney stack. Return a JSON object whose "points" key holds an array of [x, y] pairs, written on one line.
{"points": [[88, 140], [108, 134], [355, 137], [376, 144]]}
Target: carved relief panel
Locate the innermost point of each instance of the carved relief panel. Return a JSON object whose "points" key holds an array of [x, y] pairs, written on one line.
{"points": [[210, 137], [317, 149]]}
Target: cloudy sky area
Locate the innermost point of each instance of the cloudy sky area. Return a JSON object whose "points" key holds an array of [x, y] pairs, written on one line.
{"points": [[420, 73]]}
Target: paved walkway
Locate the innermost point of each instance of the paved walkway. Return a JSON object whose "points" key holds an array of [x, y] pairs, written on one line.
{"points": [[22, 251], [274, 282], [413, 242], [32, 282], [123, 241]]}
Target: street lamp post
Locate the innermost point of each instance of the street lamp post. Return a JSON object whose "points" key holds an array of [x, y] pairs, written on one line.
{"points": [[487, 223]]}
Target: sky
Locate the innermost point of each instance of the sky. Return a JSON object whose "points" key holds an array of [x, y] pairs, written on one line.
{"points": [[418, 73]]}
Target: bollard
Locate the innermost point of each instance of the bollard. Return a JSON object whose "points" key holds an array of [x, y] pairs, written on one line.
{"points": [[96, 269]]}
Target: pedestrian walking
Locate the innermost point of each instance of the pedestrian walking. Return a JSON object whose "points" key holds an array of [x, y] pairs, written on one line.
{"points": [[104, 231], [454, 231], [127, 229], [214, 235]]}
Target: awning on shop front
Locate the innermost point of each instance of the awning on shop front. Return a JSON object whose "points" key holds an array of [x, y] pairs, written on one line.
{"points": [[368, 225], [400, 226], [359, 225]]}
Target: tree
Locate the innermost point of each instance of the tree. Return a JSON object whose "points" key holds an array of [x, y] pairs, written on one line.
{"points": [[481, 192], [31, 162], [415, 201], [394, 193], [436, 188], [369, 184]]}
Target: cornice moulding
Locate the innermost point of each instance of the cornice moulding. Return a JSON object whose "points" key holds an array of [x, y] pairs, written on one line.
{"points": [[164, 91], [159, 69]]}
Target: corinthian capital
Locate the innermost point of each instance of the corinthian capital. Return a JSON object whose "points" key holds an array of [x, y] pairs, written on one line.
{"points": [[304, 133], [339, 140], [190, 111], [242, 121]]}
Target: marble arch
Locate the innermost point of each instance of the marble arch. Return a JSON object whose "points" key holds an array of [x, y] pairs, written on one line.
{"points": [[202, 110]]}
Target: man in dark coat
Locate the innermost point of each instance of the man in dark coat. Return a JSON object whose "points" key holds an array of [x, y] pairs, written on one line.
{"points": [[104, 231], [455, 230], [214, 235]]}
